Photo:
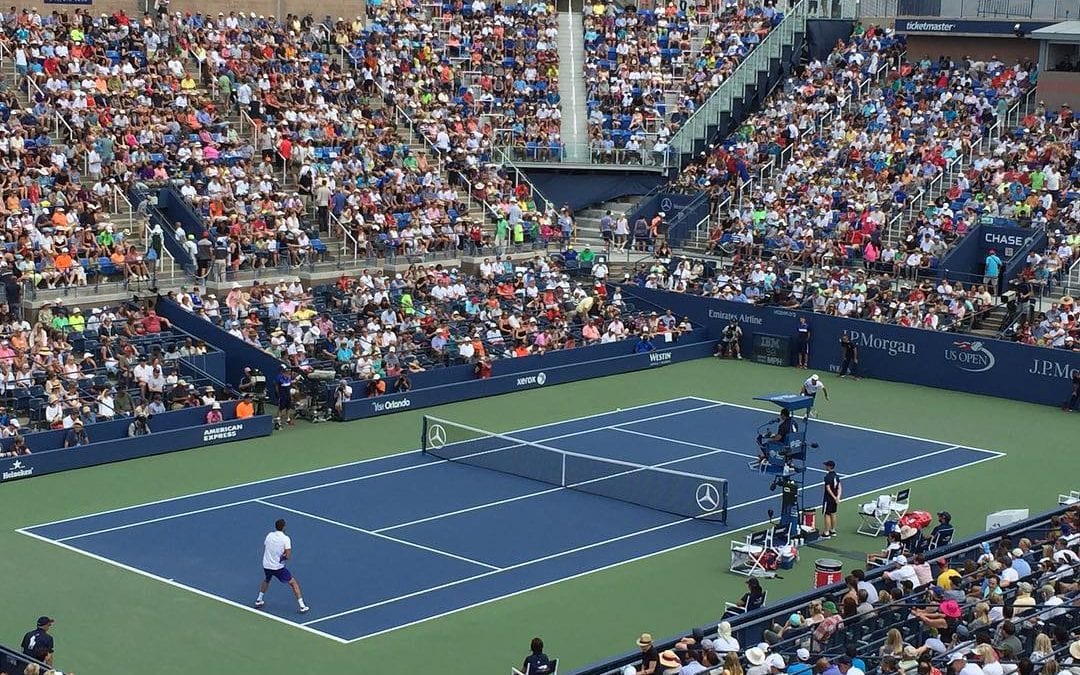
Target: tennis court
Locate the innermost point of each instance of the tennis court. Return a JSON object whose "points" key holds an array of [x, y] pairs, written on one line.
{"points": [[393, 541]]}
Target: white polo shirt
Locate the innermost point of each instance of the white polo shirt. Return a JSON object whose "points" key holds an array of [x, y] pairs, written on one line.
{"points": [[273, 548], [813, 386]]}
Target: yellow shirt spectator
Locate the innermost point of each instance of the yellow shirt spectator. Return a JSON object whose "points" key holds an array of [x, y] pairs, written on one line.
{"points": [[945, 579], [188, 83]]}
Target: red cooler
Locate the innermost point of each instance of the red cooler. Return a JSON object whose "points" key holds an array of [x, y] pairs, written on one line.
{"points": [[827, 572], [809, 519]]}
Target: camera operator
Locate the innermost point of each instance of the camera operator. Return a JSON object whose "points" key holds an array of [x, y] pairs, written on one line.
{"points": [[403, 383], [376, 386], [139, 427], [342, 393], [253, 384]]}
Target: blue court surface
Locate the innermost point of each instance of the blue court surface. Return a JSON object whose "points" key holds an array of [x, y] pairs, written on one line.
{"points": [[389, 542]]}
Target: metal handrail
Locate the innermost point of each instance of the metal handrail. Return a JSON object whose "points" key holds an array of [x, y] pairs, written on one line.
{"points": [[120, 200], [255, 129], [346, 238], [678, 142]]}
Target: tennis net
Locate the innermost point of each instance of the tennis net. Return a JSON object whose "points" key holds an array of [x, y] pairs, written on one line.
{"points": [[684, 494]]}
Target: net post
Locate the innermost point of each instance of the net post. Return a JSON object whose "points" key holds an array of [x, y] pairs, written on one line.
{"points": [[423, 434], [724, 503]]}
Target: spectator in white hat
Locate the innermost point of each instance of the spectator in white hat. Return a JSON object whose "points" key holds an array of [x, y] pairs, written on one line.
{"points": [[755, 656]]}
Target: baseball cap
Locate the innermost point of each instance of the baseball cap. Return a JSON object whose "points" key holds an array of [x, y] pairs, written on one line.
{"points": [[803, 654], [44, 621]]}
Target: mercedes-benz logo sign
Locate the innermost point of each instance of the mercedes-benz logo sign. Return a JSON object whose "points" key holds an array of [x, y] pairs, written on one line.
{"points": [[436, 436], [541, 378], [708, 497]]}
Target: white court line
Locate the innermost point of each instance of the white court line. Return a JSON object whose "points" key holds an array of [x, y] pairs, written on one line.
{"points": [[701, 445], [176, 584], [600, 543], [508, 568], [356, 463], [712, 451], [387, 537], [357, 479], [818, 420], [628, 561], [660, 552]]}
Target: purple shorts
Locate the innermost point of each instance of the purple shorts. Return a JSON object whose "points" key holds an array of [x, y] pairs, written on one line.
{"points": [[283, 575]]}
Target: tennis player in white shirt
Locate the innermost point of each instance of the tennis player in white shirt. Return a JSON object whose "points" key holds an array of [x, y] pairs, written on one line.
{"points": [[812, 386], [277, 548]]}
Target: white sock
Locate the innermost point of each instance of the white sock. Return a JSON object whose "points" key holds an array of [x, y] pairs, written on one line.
{"points": [[260, 597], [301, 601]]}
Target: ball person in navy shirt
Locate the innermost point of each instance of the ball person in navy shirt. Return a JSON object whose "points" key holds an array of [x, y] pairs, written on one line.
{"points": [[537, 662], [831, 500], [803, 333], [283, 382], [38, 644]]}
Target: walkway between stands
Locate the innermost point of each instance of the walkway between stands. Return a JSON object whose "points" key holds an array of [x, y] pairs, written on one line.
{"points": [[572, 83]]}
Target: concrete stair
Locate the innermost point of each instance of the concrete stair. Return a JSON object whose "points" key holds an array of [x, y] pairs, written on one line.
{"points": [[587, 221], [572, 95]]}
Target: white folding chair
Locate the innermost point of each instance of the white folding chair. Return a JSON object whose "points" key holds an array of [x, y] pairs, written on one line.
{"points": [[1068, 500], [747, 557], [732, 610], [876, 514]]}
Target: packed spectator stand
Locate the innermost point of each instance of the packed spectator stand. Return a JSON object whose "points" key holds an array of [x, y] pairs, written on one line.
{"points": [[374, 327], [462, 76], [72, 372], [847, 154], [1004, 601], [864, 293], [648, 70]]}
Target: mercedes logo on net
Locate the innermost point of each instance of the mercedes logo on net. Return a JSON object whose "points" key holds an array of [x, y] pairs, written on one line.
{"points": [[436, 436], [708, 497]]}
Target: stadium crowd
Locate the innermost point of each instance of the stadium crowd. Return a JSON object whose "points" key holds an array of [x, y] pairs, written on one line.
{"points": [[843, 152], [881, 296], [56, 195], [70, 369], [375, 326], [466, 78], [645, 77], [1010, 608]]}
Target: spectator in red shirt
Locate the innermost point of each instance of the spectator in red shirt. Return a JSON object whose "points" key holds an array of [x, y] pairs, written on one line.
{"points": [[152, 323]]}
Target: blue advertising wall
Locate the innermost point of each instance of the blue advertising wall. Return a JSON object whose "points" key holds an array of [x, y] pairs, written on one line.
{"points": [[967, 260], [117, 429], [118, 447], [537, 371], [936, 359]]}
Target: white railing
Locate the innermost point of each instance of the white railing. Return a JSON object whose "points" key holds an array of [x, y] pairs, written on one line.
{"points": [[347, 239], [245, 118], [745, 73], [121, 204]]}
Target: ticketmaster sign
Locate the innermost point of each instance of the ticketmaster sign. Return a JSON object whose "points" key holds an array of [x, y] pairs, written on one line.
{"points": [[965, 27]]}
